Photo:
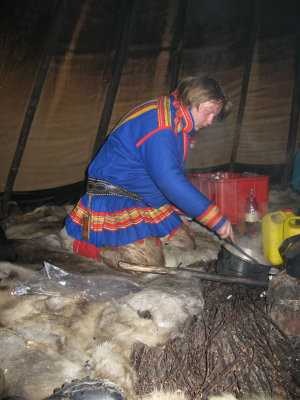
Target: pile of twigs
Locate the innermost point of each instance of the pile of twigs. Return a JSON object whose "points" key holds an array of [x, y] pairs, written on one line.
{"points": [[232, 347]]}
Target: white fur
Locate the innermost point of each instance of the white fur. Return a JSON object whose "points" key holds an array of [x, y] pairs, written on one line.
{"points": [[165, 395], [46, 341], [229, 396], [168, 310], [175, 256], [208, 245], [109, 362]]}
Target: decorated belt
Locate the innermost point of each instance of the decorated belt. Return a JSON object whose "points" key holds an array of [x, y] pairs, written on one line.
{"points": [[99, 187]]}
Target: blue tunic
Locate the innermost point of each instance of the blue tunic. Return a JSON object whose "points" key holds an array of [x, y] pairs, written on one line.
{"points": [[145, 154]]}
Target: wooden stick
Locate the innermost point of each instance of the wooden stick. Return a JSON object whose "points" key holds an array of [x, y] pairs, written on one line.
{"points": [[153, 269]]}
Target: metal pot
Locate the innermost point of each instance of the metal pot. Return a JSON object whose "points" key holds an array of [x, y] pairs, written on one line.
{"points": [[231, 262]]}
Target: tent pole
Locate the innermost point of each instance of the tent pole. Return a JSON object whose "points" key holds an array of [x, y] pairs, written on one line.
{"points": [[114, 79], [33, 102], [247, 70], [179, 37], [294, 118]]}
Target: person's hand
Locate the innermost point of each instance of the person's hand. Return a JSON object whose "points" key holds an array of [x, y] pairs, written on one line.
{"points": [[226, 231]]}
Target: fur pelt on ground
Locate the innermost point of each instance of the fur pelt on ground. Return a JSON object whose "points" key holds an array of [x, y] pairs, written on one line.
{"points": [[228, 396], [44, 227], [45, 341], [11, 274], [179, 395], [165, 395]]}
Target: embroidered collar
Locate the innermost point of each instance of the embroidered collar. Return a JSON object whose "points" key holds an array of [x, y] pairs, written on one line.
{"points": [[183, 114]]}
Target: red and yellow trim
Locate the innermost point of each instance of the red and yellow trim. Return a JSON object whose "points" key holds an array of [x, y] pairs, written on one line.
{"points": [[164, 116], [164, 112], [211, 217], [146, 137], [122, 219], [150, 105]]}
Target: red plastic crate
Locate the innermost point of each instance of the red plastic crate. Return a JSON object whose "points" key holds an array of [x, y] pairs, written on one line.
{"points": [[229, 191]]}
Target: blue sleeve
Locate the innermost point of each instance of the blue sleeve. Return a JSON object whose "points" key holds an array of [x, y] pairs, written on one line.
{"points": [[159, 155]]}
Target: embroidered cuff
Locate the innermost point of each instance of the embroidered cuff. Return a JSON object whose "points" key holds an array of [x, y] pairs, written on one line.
{"points": [[179, 211], [211, 217]]}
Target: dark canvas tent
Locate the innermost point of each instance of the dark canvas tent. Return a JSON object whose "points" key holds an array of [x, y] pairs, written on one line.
{"points": [[71, 69]]}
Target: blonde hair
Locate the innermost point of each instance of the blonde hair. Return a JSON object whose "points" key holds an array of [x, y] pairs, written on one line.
{"points": [[194, 90]]}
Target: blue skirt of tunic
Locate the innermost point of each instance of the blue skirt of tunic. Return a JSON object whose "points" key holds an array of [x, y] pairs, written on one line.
{"points": [[118, 220]]}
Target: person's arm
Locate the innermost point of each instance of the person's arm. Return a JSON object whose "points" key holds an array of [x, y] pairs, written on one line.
{"points": [[160, 158]]}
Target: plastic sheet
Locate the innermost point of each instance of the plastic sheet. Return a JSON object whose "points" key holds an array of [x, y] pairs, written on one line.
{"points": [[53, 281]]}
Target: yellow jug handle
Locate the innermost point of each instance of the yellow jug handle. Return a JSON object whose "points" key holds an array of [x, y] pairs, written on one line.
{"points": [[293, 217]]}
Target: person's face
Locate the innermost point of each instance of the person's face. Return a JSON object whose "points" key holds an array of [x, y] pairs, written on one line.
{"points": [[203, 115]]}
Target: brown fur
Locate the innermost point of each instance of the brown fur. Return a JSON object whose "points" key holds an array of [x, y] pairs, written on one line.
{"points": [[181, 238], [56, 212], [41, 221], [145, 253], [33, 230]]}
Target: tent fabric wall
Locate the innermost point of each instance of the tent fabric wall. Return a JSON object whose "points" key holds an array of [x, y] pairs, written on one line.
{"points": [[62, 136], [23, 33], [265, 125], [266, 120], [63, 131]]}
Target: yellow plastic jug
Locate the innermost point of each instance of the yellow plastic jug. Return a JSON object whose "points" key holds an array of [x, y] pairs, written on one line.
{"points": [[273, 233], [291, 227]]}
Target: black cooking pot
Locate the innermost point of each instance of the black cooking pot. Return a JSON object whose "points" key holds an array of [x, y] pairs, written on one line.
{"points": [[290, 253], [232, 263]]}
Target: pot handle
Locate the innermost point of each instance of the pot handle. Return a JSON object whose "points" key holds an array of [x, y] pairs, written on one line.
{"points": [[287, 243]]}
